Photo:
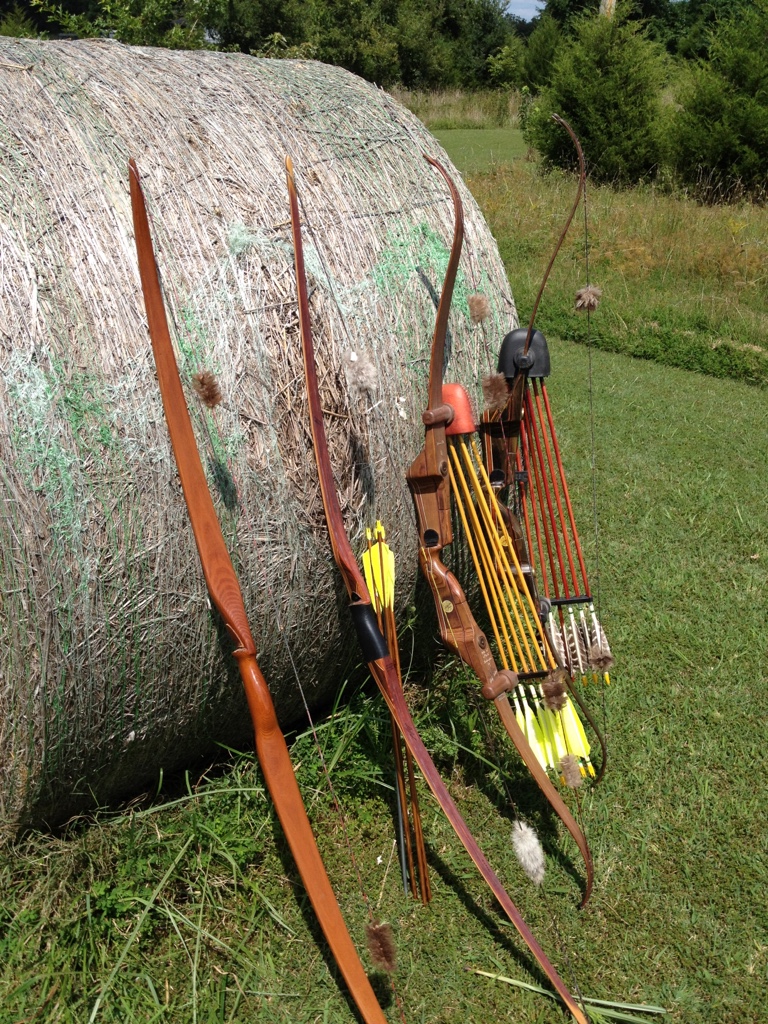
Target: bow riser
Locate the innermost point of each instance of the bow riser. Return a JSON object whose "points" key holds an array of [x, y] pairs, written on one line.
{"points": [[458, 628], [428, 481]]}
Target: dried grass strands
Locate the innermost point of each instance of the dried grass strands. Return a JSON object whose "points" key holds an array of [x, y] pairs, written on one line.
{"points": [[110, 661]]}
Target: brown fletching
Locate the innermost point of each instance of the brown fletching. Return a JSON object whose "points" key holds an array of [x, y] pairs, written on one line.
{"points": [[553, 691], [207, 388], [495, 392], [381, 945], [600, 657], [569, 766]]}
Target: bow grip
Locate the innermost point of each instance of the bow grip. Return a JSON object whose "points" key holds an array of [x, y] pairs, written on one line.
{"points": [[372, 643]]}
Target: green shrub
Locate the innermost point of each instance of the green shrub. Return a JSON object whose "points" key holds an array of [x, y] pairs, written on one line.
{"points": [[15, 23], [718, 137], [506, 65], [606, 82]]}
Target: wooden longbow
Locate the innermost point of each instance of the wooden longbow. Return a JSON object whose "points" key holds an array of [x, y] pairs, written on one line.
{"points": [[224, 589], [372, 642]]}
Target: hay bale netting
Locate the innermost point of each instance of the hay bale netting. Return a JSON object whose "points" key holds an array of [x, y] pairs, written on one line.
{"points": [[111, 662]]}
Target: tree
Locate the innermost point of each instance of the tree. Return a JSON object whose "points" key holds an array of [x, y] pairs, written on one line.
{"points": [[718, 138], [606, 81], [15, 22], [540, 53]]}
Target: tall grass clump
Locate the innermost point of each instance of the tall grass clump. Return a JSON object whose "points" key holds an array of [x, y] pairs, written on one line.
{"points": [[683, 284], [455, 108]]}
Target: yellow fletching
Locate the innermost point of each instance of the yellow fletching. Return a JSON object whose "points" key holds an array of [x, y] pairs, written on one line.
{"points": [[530, 729], [379, 567], [534, 736], [575, 736]]}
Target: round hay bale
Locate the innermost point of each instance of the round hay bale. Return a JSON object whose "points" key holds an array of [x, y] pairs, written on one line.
{"points": [[111, 663]]}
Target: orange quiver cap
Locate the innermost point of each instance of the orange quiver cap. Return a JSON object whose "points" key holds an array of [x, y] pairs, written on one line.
{"points": [[463, 421]]}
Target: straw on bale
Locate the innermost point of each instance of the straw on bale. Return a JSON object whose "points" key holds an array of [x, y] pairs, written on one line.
{"points": [[112, 665]]}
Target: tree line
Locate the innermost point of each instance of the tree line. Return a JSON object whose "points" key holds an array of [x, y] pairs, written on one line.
{"points": [[673, 90], [662, 90], [420, 44]]}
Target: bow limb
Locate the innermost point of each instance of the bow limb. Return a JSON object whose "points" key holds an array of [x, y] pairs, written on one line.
{"points": [[225, 593], [372, 643], [579, 191], [518, 360], [429, 481]]}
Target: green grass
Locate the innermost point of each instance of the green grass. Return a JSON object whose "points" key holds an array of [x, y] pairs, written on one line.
{"points": [[683, 285], [476, 150], [188, 909], [218, 929]]}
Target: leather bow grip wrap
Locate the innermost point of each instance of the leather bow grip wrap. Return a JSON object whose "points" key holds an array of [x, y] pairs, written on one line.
{"points": [[225, 592], [382, 667]]}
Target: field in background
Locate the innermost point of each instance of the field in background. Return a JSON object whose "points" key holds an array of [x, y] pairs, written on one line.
{"points": [[186, 907], [477, 150], [683, 284], [451, 108]]}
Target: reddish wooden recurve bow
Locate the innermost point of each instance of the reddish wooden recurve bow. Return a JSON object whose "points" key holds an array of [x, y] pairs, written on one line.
{"points": [[224, 589], [372, 643], [428, 479]]}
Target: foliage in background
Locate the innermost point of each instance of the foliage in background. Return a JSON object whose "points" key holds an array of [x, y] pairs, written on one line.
{"points": [[16, 23], [718, 138], [682, 26], [683, 285], [176, 24], [606, 82], [417, 43], [541, 51], [698, 119]]}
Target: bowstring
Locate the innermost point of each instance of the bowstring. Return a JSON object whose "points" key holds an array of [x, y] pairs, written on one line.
{"points": [[593, 447]]}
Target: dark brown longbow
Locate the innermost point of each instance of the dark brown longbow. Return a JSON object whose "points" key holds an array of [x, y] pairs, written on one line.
{"points": [[224, 589], [372, 643]]}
